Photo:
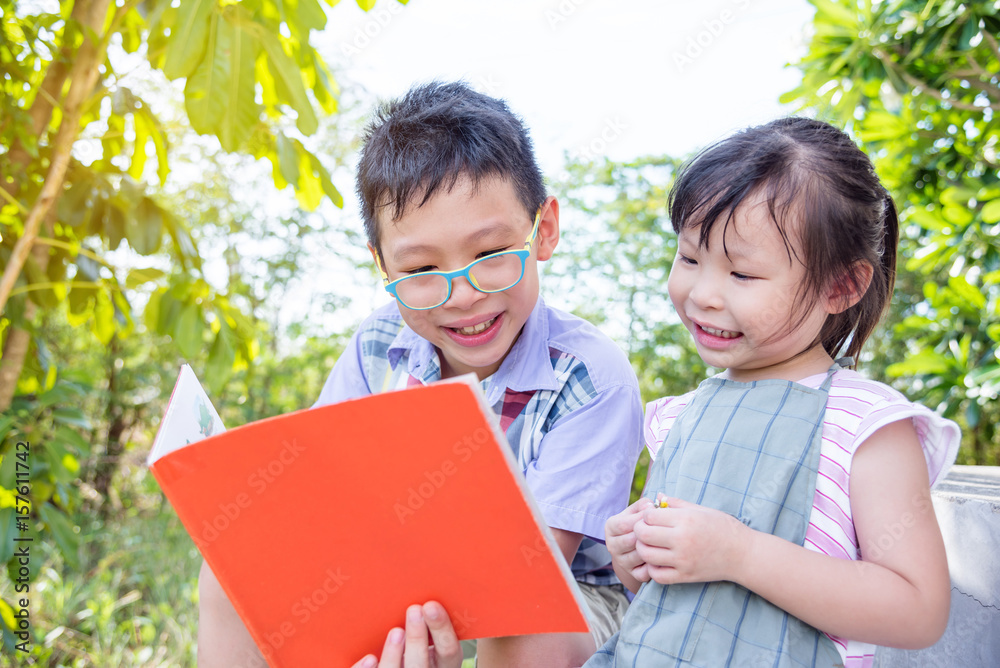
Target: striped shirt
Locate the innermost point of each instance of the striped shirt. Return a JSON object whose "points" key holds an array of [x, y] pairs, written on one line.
{"points": [[568, 402], [856, 408]]}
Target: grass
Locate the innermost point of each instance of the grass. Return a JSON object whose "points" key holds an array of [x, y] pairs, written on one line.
{"points": [[133, 603]]}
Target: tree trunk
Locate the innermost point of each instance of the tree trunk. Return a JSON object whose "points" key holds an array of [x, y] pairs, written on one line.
{"points": [[83, 76], [107, 463]]}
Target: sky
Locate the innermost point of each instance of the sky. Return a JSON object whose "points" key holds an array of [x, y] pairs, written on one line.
{"points": [[589, 77]]}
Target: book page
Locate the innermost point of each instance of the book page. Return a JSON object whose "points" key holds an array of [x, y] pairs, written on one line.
{"points": [[190, 417]]}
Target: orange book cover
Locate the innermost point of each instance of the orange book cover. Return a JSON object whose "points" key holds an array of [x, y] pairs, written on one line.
{"points": [[324, 524]]}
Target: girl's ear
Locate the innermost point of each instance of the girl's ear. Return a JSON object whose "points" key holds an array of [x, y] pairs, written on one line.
{"points": [[548, 229], [849, 287]]}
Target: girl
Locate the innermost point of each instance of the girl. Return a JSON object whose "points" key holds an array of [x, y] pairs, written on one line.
{"points": [[798, 527]]}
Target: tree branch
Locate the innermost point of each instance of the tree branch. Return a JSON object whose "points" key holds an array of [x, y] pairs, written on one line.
{"points": [[923, 86]]}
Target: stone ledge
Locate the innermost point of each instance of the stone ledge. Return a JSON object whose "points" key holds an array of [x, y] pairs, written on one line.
{"points": [[967, 504]]}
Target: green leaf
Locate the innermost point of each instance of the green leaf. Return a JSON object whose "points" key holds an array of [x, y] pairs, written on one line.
{"points": [[62, 531], [138, 276], [103, 324], [220, 95], [991, 211], [221, 358], [44, 297], [188, 39], [146, 230], [114, 225], [288, 159], [189, 330], [288, 75], [969, 33], [138, 164], [311, 15], [924, 362], [73, 417], [969, 293]]}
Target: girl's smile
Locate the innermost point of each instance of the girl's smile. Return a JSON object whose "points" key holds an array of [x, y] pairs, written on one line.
{"points": [[739, 296]]}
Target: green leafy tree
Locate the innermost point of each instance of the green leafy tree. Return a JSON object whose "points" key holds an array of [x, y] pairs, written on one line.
{"points": [[918, 83], [98, 246]]}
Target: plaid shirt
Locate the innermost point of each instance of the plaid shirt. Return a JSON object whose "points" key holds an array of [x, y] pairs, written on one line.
{"points": [[568, 401]]}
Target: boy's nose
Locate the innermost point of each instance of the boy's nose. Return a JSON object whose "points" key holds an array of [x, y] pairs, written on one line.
{"points": [[463, 294]]}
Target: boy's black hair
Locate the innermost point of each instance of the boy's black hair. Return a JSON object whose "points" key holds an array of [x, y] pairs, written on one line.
{"points": [[432, 136], [809, 171]]}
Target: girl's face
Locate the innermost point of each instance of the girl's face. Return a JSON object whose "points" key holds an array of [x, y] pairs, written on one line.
{"points": [[741, 307]]}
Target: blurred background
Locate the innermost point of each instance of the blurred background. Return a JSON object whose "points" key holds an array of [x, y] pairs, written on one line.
{"points": [[176, 186]]}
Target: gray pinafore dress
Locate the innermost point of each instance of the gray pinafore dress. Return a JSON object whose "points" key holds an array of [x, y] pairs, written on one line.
{"points": [[750, 450]]}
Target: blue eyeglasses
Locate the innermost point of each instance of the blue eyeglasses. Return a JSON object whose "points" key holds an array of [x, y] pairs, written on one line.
{"points": [[493, 273]]}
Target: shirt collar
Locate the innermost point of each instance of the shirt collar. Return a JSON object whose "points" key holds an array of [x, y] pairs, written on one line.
{"points": [[527, 367]]}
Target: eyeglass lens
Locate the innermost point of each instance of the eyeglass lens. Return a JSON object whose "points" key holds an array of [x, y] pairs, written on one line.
{"points": [[493, 273]]}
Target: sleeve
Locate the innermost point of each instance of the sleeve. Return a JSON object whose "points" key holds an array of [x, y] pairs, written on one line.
{"points": [[583, 474], [660, 416], [939, 437], [347, 380]]}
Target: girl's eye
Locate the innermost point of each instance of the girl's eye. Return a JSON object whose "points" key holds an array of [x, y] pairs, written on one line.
{"points": [[418, 270], [687, 260], [741, 277], [492, 252]]}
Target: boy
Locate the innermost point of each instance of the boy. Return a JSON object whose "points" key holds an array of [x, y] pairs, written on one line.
{"points": [[457, 220]]}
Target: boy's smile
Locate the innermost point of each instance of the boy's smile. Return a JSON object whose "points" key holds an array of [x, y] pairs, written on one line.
{"points": [[473, 331]]}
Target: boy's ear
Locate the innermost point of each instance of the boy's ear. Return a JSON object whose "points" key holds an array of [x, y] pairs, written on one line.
{"points": [[548, 229], [378, 265], [848, 288]]}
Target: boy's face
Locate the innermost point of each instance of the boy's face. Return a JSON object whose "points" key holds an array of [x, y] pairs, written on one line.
{"points": [[472, 331]]}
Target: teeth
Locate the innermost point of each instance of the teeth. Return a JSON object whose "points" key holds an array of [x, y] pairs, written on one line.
{"points": [[722, 333], [475, 329]]}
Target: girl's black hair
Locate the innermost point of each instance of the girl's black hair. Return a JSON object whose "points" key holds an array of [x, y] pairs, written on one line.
{"points": [[432, 136], [808, 171]]}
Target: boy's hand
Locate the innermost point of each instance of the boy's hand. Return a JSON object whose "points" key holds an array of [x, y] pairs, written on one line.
{"points": [[445, 652], [686, 542], [620, 538]]}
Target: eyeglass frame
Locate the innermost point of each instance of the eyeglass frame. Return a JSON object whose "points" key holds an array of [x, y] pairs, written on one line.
{"points": [[450, 276]]}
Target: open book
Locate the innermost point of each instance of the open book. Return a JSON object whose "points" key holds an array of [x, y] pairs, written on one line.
{"points": [[323, 525]]}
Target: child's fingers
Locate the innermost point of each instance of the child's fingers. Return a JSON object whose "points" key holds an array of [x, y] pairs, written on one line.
{"points": [[392, 651], [446, 645], [622, 523], [640, 572], [417, 650], [368, 662], [621, 544], [654, 555]]}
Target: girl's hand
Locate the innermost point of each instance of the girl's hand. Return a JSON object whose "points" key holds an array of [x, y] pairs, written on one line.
{"points": [[686, 542], [621, 540], [445, 652]]}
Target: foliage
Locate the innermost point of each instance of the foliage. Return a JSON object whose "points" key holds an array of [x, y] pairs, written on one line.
{"points": [[918, 83], [131, 601], [117, 250]]}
